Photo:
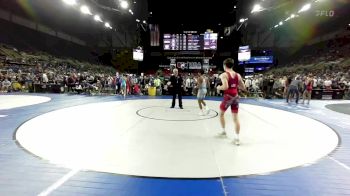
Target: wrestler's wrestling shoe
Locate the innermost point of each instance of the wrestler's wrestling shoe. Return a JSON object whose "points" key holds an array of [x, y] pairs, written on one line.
{"points": [[221, 134], [236, 142], [207, 110]]}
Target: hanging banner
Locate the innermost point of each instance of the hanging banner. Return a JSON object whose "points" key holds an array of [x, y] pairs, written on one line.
{"points": [[189, 65], [205, 63], [164, 66], [172, 63]]}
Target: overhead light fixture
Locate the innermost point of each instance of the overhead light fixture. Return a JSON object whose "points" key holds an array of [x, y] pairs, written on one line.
{"points": [[85, 10], [97, 18], [305, 8], [281, 23], [276, 26], [108, 25], [124, 4], [144, 22], [243, 20], [137, 20], [70, 2], [235, 7], [257, 8], [292, 16]]}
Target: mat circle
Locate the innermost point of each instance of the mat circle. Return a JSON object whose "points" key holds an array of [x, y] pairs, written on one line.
{"points": [[187, 114]]}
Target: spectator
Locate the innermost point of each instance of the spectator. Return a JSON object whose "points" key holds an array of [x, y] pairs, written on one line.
{"points": [[327, 84], [6, 85]]}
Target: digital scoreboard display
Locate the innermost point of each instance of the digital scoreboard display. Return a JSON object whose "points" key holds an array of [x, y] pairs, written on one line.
{"points": [[210, 41], [244, 53], [194, 42], [138, 54], [175, 42], [190, 41]]}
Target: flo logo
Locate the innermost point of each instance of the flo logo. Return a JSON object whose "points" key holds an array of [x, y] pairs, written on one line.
{"points": [[325, 13]]}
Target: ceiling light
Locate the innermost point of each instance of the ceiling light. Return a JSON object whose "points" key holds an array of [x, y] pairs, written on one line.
{"points": [[97, 18], [124, 4], [70, 2], [305, 8], [85, 10], [257, 8], [243, 20], [108, 25]]}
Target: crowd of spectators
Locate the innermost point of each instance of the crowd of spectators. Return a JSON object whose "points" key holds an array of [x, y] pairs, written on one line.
{"points": [[276, 86], [35, 75]]}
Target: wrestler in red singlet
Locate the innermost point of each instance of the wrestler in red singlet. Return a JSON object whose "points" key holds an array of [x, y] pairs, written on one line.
{"points": [[308, 91], [231, 81], [231, 94]]}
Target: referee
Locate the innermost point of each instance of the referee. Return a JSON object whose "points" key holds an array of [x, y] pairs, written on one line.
{"points": [[176, 85]]}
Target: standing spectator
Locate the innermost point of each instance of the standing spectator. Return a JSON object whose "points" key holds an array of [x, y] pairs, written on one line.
{"points": [[270, 83], [248, 83], [287, 82], [157, 84], [123, 85], [188, 84], [128, 85], [212, 86], [70, 83], [217, 83]]}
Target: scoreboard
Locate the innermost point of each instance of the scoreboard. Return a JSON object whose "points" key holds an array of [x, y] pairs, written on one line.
{"points": [[190, 41]]}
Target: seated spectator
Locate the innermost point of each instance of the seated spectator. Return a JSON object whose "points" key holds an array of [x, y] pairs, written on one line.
{"points": [[16, 86], [6, 85], [45, 78], [327, 84], [137, 90], [78, 88]]}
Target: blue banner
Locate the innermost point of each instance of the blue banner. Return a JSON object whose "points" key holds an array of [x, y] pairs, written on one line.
{"points": [[259, 60]]}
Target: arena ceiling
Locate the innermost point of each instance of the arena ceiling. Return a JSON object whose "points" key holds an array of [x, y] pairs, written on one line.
{"points": [[68, 19], [323, 16], [175, 14], [196, 14]]}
